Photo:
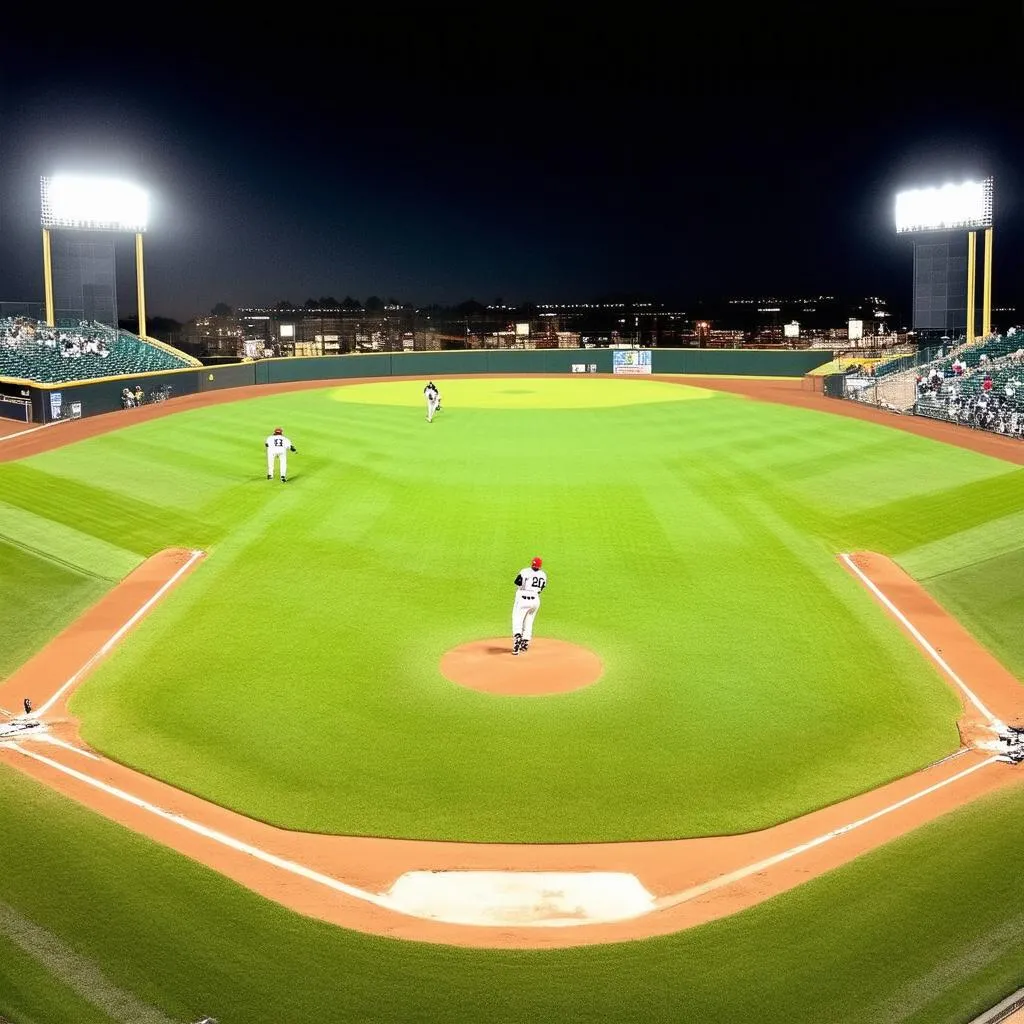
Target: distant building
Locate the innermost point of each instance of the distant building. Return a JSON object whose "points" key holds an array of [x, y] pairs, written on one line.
{"points": [[215, 336]]}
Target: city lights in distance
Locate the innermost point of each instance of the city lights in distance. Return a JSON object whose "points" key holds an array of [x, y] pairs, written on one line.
{"points": [[93, 204], [963, 207]]}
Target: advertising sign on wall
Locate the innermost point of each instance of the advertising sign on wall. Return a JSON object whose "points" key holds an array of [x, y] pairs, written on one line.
{"points": [[56, 401], [631, 361]]}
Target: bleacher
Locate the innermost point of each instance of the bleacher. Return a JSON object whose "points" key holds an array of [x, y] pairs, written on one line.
{"points": [[34, 351], [994, 347], [962, 398], [906, 360]]}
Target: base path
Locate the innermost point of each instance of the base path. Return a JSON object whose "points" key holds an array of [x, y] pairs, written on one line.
{"points": [[509, 895]]}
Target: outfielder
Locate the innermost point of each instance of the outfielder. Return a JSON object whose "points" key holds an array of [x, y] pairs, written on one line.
{"points": [[529, 584], [278, 446], [433, 397]]}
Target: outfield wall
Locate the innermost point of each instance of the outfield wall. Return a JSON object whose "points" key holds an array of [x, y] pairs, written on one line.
{"points": [[92, 397]]}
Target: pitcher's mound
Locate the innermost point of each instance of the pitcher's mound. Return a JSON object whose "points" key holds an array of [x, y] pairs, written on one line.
{"points": [[549, 666]]}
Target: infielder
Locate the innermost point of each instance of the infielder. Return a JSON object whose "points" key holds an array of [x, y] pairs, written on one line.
{"points": [[433, 397], [278, 446], [529, 584]]}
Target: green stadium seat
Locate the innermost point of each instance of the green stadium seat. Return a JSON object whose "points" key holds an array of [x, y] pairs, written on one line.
{"points": [[30, 350]]}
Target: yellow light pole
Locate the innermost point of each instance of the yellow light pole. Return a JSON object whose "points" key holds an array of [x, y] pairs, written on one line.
{"points": [[47, 278], [140, 279], [972, 255], [986, 287]]}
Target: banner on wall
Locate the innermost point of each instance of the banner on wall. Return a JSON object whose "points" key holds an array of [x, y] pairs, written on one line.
{"points": [[56, 401], [631, 360]]}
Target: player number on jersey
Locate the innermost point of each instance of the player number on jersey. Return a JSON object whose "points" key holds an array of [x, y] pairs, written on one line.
{"points": [[278, 442], [538, 583]]}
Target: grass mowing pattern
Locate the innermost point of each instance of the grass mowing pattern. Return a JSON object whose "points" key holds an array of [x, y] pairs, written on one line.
{"points": [[30, 994], [926, 930], [690, 543]]}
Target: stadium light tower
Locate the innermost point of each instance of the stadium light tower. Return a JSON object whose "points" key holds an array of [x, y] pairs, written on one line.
{"points": [[89, 204], [949, 210]]}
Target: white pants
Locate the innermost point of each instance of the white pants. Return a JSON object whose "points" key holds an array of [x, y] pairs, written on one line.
{"points": [[282, 454], [431, 409], [524, 611]]}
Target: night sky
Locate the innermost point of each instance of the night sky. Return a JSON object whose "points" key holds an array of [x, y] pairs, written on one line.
{"points": [[435, 159]]}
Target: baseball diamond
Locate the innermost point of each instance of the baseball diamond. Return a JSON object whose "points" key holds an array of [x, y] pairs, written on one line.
{"points": [[715, 703]]}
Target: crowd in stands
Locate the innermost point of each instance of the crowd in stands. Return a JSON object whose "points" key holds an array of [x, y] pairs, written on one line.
{"points": [[30, 350], [130, 399], [980, 386]]}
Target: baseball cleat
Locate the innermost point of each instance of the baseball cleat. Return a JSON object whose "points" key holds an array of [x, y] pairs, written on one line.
{"points": [[524, 646], [284, 479], [270, 476], [517, 643]]}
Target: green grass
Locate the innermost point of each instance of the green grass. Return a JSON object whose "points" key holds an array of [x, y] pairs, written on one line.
{"points": [[31, 994], [926, 930], [41, 597], [690, 543]]}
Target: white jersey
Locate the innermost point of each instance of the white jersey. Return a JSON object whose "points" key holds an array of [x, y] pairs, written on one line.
{"points": [[531, 582], [278, 443], [431, 393]]}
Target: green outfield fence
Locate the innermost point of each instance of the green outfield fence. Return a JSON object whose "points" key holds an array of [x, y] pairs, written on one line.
{"points": [[51, 402]]}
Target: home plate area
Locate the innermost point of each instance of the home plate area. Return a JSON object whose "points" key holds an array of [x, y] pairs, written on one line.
{"points": [[539, 898], [20, 728]]}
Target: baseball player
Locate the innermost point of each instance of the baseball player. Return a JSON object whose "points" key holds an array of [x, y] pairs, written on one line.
{"points": [[278, 446], [433, 397], [530, 583]]}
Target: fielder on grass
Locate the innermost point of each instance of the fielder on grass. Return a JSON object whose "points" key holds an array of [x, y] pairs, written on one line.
{"points": [[278, 446], [433, 397]]}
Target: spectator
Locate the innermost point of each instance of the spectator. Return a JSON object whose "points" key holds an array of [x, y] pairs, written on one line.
{"points": [[139, 397], [986, 384]]}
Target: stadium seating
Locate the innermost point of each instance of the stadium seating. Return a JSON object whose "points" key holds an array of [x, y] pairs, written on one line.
{"points": [[30, 350], [962, 399]]}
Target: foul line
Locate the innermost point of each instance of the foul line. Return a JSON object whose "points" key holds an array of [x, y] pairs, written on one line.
{"points": [[768, 862], [209, 833], [387, 903], [31, 430], [193, 558], [927, 647]]}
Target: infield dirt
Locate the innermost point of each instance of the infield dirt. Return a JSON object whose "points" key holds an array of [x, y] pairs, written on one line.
{"points": [[693, 880]]}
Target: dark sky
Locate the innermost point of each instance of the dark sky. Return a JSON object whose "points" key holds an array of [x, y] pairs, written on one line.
{"points": [[544, 158]]}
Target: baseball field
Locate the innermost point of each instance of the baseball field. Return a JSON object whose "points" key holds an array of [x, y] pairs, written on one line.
{"points": [[691, 539]]}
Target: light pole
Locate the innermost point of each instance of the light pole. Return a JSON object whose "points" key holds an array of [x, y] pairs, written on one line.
{"points": [[950, 209]]}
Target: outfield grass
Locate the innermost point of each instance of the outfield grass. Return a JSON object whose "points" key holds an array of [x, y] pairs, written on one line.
{"points": [[690, 539], [926, 930]]}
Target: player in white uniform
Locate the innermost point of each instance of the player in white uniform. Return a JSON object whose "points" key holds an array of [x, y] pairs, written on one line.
{"points": [[433, 397], [278, 447], [530, 583]]}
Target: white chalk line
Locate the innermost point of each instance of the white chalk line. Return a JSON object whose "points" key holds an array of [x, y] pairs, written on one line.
{"points": [[384, 901], [387, 903], [209, 833], [31, 430], [994, 722], [768, 862], [193, 558], [47, 738]]}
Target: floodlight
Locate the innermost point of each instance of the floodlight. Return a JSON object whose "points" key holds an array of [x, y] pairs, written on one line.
{"points": [[93, 204], [963, 207]]}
